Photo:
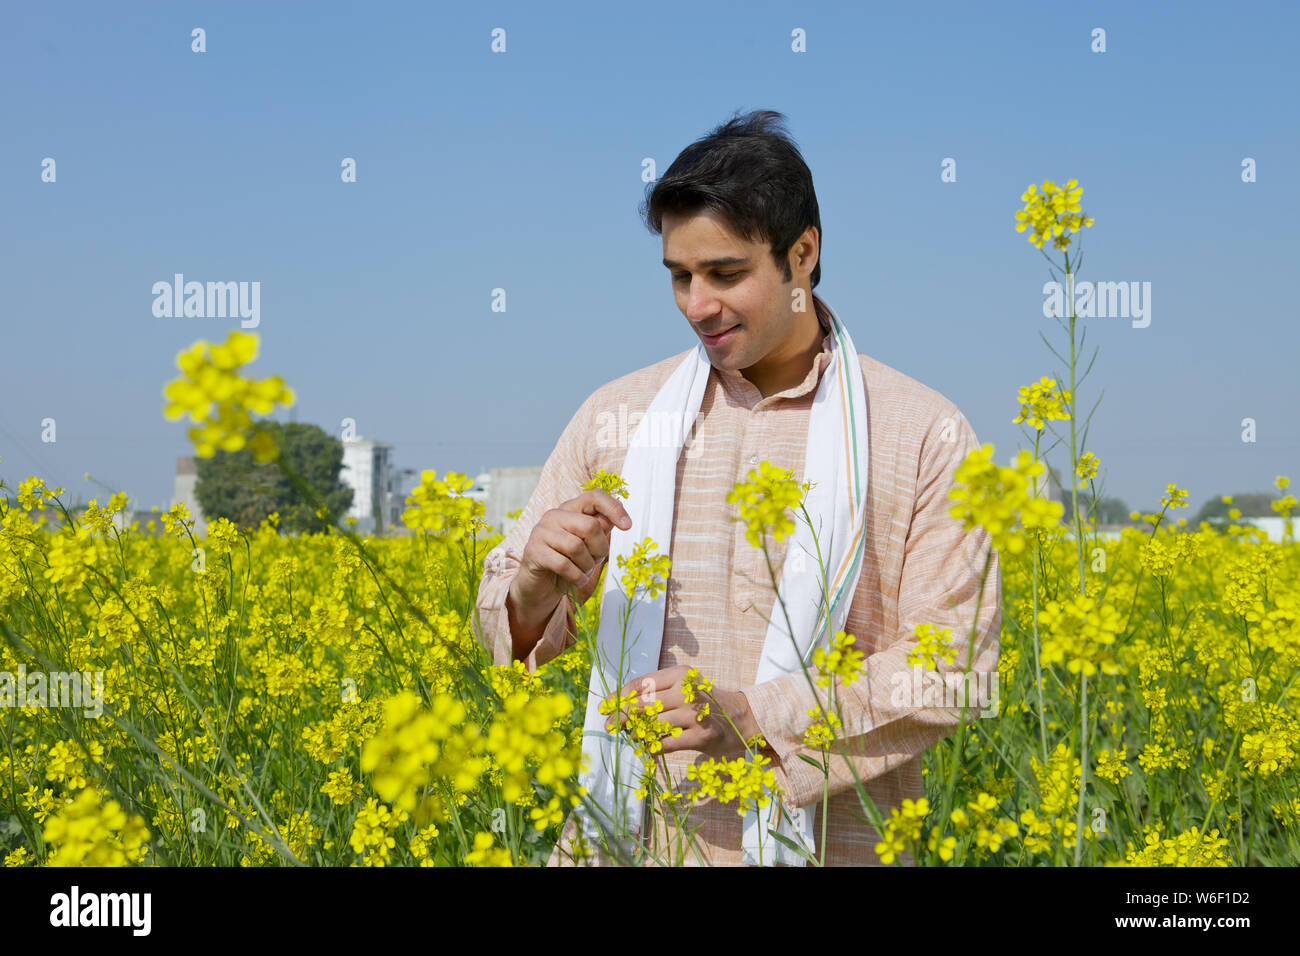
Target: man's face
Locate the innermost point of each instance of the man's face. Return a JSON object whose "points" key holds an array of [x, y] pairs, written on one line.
{"points": [[720, 281]]}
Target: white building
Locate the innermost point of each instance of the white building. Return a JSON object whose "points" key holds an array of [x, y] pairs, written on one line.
{"points": [[367, 470], [1273, 526], [187, 474], [508, 489]]}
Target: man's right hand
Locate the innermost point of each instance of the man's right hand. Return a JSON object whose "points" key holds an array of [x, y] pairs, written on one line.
{"points": [[568, 546]]}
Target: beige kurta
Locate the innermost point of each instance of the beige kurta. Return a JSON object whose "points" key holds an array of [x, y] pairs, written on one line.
{"points": [[919, 566]]}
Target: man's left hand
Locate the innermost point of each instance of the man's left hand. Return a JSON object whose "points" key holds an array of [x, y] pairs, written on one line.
{"points": [[714, 736]]}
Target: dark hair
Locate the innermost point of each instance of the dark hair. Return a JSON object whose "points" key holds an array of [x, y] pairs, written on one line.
{"points": [[750, 171]]}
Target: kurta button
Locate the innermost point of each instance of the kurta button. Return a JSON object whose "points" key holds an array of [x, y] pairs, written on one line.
{"points": [[753, 459]]}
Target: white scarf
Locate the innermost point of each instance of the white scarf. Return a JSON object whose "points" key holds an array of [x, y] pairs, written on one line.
{"points": [[836, 461]]}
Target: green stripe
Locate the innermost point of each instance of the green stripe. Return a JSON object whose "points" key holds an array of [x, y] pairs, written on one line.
{"points": [[857, 484]]}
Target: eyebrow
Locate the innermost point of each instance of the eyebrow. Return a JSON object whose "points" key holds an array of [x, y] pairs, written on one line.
{"points": [[713, 263]]}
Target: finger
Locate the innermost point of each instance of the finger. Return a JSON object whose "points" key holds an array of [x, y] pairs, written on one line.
{"points": [[593, 530], [644, 687], [683, 716], [600, 502], [692, 738], [670, 696], [557, 562], [571, 546]]}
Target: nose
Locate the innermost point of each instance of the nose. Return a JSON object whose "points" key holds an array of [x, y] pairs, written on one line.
{"points": [[701, 305]]}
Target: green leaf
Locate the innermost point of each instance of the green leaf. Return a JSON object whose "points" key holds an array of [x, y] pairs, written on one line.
{"points": [[790, 844]]}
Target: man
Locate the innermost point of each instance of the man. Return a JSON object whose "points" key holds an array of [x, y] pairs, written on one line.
{"points": [[742, 240]]}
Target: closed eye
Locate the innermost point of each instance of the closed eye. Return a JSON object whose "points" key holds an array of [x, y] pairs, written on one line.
{"points": [[725, 276]]}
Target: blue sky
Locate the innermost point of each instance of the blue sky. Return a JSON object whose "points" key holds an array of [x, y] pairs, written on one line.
{"points": [[522, 170]]}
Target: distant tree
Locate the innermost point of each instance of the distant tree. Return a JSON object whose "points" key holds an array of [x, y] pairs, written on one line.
{"points": [[232, 485], [1251, 505], [1113, 511], [1109, 510]]}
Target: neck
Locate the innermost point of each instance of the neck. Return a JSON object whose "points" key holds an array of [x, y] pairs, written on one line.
{"points": [[789, 365]]}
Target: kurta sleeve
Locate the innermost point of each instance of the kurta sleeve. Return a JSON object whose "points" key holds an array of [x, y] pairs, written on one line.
{"points": [[884, 723], [566, 469]]}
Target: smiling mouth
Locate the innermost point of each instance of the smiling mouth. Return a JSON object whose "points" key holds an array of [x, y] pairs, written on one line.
{"points": [[716, 336]]}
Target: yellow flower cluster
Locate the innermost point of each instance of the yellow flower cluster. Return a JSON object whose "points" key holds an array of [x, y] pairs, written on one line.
{"points": [[822, 732], [487, 853], [1087, 467], [1053, 213], [990, 831], [693, 683], [1040, 402], [341, 788], [1285, 505], [606, 481], [420, 844], [644, 571], [1081, 634], [101, 520], [1113, 765], [902, 827], [211, 379], [72, 554], [1176, 851], [528, 742], [1244, 587], [417, 746], [932, 647], [997, 498], [92, 832], [33, 493], [1058, 781], [842, 661], [438, 505], [372, 832], [1174, 497], [642, 724], [764, 500], [1269, 752], [748, 782], [350, 726]]}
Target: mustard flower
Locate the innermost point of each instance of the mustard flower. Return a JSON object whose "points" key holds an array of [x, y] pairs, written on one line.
{"points": [[1174, 497], [932, 646], [341, 788], [1053, 213], [33, 493], [486, 853], [748, 782], [998, 499], [645, 571], [764, 500], [692, 683], [417, 746], [842, 661], [607, 481], [214, 394], [1081, 633], [92, 832], [1112, 765], [440, 506], [1178, 850], [823, 731], [1041, 401], [1087, 468]]}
